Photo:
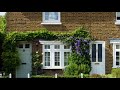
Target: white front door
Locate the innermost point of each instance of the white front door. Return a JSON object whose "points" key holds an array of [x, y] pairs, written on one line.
{"points": [[24, 50], [98, 57]]}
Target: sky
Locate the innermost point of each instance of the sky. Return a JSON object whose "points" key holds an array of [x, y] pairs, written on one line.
{"points": [[2, 13]]}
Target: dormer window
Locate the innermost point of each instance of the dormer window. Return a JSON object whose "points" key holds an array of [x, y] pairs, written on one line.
{"points": [[51, 18], [117, 18]]}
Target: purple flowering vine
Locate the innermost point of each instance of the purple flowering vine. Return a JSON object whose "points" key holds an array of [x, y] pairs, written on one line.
{"points": [[80, 46]]}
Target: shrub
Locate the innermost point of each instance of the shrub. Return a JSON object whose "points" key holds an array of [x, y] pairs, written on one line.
{"points": [[116, 72], [86, 75], [68, 76], [95, 76], [72, 69], [10, 61], [44, 76], [36, 62], [107, 76], [41, 76], [77, 65], [84, 68]]}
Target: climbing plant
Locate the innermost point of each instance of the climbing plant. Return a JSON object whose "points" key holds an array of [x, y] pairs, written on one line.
{"points": [[79, 60], [36, 62], [78, 39]]}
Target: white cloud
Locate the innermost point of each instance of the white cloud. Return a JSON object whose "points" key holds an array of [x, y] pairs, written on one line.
{"points": [[2, 13]]}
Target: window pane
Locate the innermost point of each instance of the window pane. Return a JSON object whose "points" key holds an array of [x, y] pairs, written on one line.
{"points": [[118, 18], [51, 15], [20, 45], [118, 15], [56, 15], [57, 46], [99, 52], [66, 46], [93, 52], [66, 54], [47, 46], [47, 58], [57, 58], [117, 54], [117, 58], [46, 15], [117, 46], [27, 45]]}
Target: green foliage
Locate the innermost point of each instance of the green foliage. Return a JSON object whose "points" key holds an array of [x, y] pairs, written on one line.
{"points": [[59, 76], [95, 76], [12, 38], [79, 60], [69, 76], [78, 33], [86, 76], [2, 35], [2, 23], [116, 72], [41, 76], [36, 62], [72, 69], [11, 61], [107, 76], [77, 65], [44, 76], [84, 68], [81, 32]]}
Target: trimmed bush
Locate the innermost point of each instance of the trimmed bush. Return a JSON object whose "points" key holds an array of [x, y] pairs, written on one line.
{"points": [[42, 76], [116, 72], [95, 76]]}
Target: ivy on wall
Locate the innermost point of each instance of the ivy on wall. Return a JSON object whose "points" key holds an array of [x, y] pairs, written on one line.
{"points": [[10, 53]]}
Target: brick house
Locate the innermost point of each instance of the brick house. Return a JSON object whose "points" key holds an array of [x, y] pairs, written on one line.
{"points": [[103, 26]]}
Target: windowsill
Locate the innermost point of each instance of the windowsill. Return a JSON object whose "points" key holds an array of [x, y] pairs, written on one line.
{"points": [[116, 67], [51, 23], [53, 67], [117, 22]]}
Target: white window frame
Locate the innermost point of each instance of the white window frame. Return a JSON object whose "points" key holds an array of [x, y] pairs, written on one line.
{"points": [[117, 22], [114, 55], [54, 22], [52, 51], [115, 42]]}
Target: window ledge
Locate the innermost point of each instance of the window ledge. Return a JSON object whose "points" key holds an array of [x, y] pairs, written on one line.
{"points": [[117, 22], [53, 67], [51, 23], [116, 67]]}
